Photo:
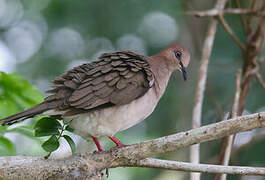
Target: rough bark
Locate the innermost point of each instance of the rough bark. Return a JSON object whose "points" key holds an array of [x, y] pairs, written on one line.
{"points": [[89, 166]]}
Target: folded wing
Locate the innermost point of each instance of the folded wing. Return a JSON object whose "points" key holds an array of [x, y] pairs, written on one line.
{"points": [[117, 78]]}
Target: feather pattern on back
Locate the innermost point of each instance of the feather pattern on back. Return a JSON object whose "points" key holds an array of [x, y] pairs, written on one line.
{"points": [[116, 79]]}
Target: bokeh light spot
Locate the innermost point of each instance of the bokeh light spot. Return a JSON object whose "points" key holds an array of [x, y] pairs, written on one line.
{"points": [[158, 29], [11, 11], [131, 42], [66, 43], [7, 59], [24, 39]]}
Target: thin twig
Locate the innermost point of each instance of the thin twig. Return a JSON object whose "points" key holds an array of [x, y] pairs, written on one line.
{"points": [[227, 142], [260, 80], [203, 168], [200, 88], [231, 33], [236, 96], [234, 11], [253, 3]]}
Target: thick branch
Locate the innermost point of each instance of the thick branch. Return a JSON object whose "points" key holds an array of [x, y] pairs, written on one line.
{"points": [[20, 167]]}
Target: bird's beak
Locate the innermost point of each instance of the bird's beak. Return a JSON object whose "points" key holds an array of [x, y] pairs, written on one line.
{"points": [[183, 70]]}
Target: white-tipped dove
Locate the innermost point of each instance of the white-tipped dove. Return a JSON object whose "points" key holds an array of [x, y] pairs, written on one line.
{"points": [[112, 94]]}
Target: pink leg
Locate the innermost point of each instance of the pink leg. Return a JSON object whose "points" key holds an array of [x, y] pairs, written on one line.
{"points": [[97, 144], [116, 141]]}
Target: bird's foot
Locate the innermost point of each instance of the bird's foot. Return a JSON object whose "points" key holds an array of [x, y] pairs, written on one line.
{"points": [[117, 142]]}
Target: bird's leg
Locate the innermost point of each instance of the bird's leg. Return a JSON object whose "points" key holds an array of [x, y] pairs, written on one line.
{"points": [[97, 144], [116, 141]]}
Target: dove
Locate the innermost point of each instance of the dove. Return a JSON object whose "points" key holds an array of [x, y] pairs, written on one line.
{"points": [[109, 95]]}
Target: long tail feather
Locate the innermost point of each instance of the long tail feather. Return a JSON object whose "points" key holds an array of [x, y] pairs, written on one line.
{"points": [[31, 112]]}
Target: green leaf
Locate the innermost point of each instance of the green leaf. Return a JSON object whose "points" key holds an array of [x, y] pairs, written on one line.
{"points": [[47, 126], [6, 147], [15, 88], [8, 107], [3, 130], [25, 130], [51, 144], [68, 128], [70, 142]]}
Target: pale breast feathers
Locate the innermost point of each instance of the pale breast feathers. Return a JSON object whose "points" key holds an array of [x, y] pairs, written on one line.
{"points": [[117, 78]]}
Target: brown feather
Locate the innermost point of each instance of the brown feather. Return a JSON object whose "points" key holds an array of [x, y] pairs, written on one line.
{"points": [[114, 81], [82, 100], [117, 78], [78, 94]]}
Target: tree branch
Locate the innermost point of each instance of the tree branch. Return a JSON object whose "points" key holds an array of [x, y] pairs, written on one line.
{"points": [[90, 165], [255, 41], [260, 80], [231, 33], [235, 11], [200, 88], [227, 142], [203, 168]]}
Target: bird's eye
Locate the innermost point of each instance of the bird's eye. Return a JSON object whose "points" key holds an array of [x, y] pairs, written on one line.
{"points": [[178, 54]]}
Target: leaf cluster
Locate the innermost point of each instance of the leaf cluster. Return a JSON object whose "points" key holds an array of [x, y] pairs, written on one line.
{"points": [[48, 126], [16, 94]]}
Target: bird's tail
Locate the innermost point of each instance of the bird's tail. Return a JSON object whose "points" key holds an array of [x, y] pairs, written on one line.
{"points": [[31, 112]]}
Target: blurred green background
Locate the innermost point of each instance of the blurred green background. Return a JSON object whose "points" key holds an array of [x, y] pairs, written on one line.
{"points": [[40, 39]]}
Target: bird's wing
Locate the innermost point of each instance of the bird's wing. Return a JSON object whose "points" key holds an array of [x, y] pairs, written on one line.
{"points": [[117, 78]]}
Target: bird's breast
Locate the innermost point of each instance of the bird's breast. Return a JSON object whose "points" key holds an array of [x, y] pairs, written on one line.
{"points": [[108, 121]]}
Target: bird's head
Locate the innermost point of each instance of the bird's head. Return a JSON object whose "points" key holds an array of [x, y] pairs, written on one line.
{"points": [[177, 58]]}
